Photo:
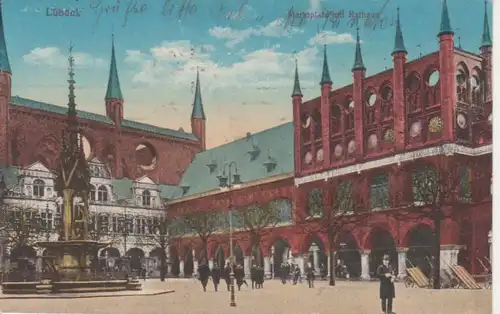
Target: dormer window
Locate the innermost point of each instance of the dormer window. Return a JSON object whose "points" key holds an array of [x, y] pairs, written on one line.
{"points": [[146, 198], [92, 192], [270, 164], [38, 188], [254, 152], [102, 194], [185, 189], [212, 166]]}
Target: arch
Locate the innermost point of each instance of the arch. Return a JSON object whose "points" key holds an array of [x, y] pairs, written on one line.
{"points": [[348, 254], [111, 252], [102, 193], [238, 254], [92, 193], [316, 117], [281, 252], [146, 156], [382, 242], [174, 261], [315, 247], [420, 243], [38, 188], [188, 262], [146, 198], [219, 257], [136, 258]]}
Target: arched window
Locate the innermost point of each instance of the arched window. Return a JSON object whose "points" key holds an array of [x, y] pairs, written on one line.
{"points": [[425, 185], [315, 203], [38, 188], [102, 194], [379, 191], [92, 192], [344, 197], [146, 198]]}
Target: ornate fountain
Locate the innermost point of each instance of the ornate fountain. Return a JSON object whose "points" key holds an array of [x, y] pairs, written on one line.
{"points": [[69, 259]]}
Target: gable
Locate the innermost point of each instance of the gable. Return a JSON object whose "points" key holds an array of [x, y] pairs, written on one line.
{"points": [[145, 179], [37, 166]]}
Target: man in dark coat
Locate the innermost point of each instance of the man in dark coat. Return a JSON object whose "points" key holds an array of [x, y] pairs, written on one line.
{"points": [[260, 276], [253, 276], [204, 272], [283, 273], [310, 275], [385, 273], [227, 272], [216, 274], [239, 275]]}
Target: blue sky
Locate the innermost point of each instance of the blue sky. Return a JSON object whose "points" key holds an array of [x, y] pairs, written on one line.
{"points": [[242, 47]]}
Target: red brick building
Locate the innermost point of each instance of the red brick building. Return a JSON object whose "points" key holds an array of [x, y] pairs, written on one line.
{"points": [[371, 137]]}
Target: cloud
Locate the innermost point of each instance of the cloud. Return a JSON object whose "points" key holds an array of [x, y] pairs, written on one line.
{"points": [[236, 36], [329, 37], [52, 57], [267, 68]]}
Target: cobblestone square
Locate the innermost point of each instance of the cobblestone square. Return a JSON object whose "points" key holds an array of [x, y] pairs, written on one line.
{"points": [[346, 297]]}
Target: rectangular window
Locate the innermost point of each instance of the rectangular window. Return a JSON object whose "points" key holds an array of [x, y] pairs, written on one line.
{"points": [[379, 191]]}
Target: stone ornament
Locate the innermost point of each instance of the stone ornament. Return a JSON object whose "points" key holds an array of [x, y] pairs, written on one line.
{"points": [[351, 147], [461, 121], [389, 135], [308, 158], [415, 129], [372, 141], [435, 125], [338, 150], [320, 154]]}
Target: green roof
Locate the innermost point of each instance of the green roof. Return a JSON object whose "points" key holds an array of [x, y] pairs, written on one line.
{"points": [[198, 112], [169, 191], [296, 83], [325, 75], [445, 27], [4, 58], [251, 154], [486, 38], [157, 130], [399, 43], [10, 175], [33, 104], [122, 189], [113, 91]]}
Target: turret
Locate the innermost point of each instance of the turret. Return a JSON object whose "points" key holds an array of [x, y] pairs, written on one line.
{"points": [[296, 103], [399, 55], [114, 110], [486, 53], [326, 89], [198, 114], [114, 96], [358, 74], [447, 73], [5, 92]]}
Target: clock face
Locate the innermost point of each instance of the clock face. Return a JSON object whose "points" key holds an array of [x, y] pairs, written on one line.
{"points": [[338, 150], [319, 154], [415, 129], [461, 121], [372, 141], [309, 157], [351, 147]]}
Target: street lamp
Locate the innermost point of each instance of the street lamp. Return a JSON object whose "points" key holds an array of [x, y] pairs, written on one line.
{"points": [[226, 183], [3, 188]]}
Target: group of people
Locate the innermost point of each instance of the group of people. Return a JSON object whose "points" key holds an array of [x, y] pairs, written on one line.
{"points": [[204, 272], [293, 271]]}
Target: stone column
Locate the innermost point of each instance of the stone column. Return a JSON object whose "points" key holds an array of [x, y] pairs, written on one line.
{"points": [[267, 267], [211, 263], [39, 264], [449, 255], [365, 265], [316, 259], [246, 266], [181, 268], [195, 264], [329, 263], [300, 260], [402, 262]]}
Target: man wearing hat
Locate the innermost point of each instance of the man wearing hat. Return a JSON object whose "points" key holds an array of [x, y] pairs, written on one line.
{"points": [[386, 275]]}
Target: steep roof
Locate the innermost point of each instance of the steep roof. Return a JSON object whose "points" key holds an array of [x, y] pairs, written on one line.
{"points": [[198, 112], [113, 91], [38, 105], [258, 156], [4, 57]]}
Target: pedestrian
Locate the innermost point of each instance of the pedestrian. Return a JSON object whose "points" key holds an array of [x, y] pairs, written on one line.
{"points": [[296, 274], [260, 277], [310, 275], [385, 272], [239, 274], [216, 274], [283, 273], [227, 275], [204, 273], [253, 276]]}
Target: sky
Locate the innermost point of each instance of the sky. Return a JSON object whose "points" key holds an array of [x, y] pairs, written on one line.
{"points": [[245, 50]]}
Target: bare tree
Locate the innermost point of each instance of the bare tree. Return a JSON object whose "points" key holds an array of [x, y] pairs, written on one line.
{"points": [[332, 220], [253, 219], [204, 224], [439, 191]]}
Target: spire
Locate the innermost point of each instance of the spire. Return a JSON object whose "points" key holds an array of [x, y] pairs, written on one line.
{"points": [[113, 91], [71, 81], [296, 83], [198, 112], [399, 44], [325, 77], [4, 58], [445, 21], [486, 42], [358, 59]]}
